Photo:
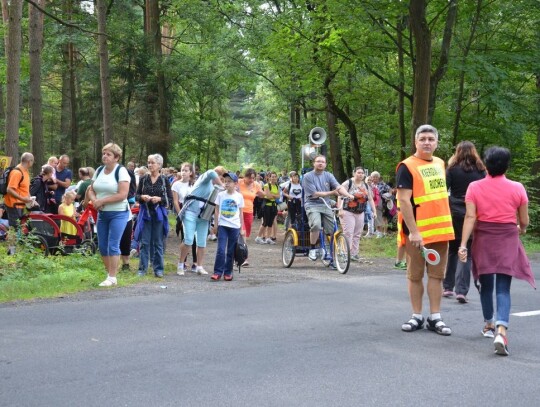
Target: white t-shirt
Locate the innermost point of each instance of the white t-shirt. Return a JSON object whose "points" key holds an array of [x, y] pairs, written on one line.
{"points": [[182, 190], [230, 208], [105, 185]]}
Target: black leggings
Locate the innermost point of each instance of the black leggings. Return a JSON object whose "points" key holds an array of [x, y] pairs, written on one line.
{"points": [[269, 214], [125, 240]]}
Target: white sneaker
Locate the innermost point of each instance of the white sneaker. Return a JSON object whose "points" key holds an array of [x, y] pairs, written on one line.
{"points": [[108, 282], [269, 241], [212, 237], [133, 253], [201, 271], [260, 240], [313, 254], [378, 235], [180, 269]]}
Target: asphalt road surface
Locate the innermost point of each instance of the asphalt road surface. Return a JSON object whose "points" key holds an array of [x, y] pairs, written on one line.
{"points": [[314, 342]]}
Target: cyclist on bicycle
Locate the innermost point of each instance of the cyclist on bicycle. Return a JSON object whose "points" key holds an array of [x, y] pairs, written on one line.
{"points": [[320, 184]]}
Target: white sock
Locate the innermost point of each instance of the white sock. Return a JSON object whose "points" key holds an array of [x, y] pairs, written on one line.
{"points": [[181, 265], [435, 315], [418, 316], [113, 279]]}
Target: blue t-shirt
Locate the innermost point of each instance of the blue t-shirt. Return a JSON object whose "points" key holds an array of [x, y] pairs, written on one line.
{"points": [[202, 188], [62, 176]]}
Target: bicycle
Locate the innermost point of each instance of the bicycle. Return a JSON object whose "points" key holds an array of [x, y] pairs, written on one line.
{"points": [[333, 249]]}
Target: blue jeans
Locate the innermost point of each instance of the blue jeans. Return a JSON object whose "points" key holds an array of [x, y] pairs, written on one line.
{"points": [[226, 244], [502, 284], [151, 246], [110, 227]]}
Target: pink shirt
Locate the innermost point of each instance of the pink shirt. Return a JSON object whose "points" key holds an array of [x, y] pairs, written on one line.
{"points": [[497, 199]]}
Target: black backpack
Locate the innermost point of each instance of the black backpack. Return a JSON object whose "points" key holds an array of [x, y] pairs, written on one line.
{"points": [[240, 252], [4, 179]]}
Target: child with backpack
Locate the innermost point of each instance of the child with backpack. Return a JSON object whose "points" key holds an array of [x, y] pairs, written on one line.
{"points": [[229, 224]]}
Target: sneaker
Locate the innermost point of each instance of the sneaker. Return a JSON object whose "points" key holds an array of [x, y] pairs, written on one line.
{"points": [[378, 235], [260, 240], [180, 269], [212, 237], [201, 271], [228, 277], [193, 268], [158, 275], [355, 257], [108, 282], [401, 265], [448, 293], [125, 267], [313, 254], [501, 345], [133, 253], [141, 273], [245, 264], [462, 299], [488, 331], [269, 241], [215, 277]]}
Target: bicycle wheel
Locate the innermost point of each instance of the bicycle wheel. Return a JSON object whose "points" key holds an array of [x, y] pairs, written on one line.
{"points": [[342, 258], [326, 256], [288, 251]]}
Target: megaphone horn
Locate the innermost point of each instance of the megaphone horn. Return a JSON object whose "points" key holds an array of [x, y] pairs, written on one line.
{"points": [[317, 136]]}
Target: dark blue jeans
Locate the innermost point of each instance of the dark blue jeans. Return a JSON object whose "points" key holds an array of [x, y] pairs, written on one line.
{"points": [[501, 283], [151, 246], [226, 244]]}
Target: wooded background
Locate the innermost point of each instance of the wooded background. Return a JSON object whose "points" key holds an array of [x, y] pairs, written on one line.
{"points": [[242, 82]]}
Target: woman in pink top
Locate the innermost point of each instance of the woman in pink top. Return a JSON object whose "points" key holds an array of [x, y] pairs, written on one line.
{"points": [[497, 252], [249, 188]]}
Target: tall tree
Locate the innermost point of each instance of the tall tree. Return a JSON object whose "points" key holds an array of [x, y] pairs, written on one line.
{"points": [[104, 71], [422, 67], [35, 47], [13, 78]]}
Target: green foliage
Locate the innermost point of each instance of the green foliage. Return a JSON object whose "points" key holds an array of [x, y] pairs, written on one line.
{"points": [[29, 274]]}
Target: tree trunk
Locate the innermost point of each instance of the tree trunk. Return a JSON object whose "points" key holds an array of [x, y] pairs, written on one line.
{"points": [[13, 54], [402, 23], [422, 68], [293, 145], [35, 47], [442, 67], [104, 71], [331, 119], [74, 151]]}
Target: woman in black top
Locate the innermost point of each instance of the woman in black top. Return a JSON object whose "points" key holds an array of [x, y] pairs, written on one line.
{"points": [[40, 189], [464, 167], [153, 194]]}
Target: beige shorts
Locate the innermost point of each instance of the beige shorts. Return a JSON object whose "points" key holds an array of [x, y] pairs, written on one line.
{"points": [[416, 264], [319, 216]]}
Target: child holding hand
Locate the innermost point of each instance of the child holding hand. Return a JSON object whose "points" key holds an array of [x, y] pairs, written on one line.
{"points": [[229, 224]]}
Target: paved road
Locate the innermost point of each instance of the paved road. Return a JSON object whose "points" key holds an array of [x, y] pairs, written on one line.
{"points": [[334, 342]]}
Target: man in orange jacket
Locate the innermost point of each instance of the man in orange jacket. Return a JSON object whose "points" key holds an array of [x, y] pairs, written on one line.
{"points": [[424, 220], [18, 189]]}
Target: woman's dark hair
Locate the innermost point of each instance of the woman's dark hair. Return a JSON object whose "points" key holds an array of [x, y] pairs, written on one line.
{"points": [[249, 172], [497, 160], [466, 157], [192, 176]]}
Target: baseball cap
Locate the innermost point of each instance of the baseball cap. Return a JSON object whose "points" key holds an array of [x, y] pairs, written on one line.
{"points": [[231, 175]]}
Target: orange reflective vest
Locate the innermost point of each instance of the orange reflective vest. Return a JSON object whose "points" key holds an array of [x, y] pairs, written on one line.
{"points": [[430, 198]]}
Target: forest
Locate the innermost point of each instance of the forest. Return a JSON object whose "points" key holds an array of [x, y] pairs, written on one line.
{"points": [[242, 83]]}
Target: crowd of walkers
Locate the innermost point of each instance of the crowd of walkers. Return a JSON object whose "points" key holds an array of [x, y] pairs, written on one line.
{"points": [[452, 210]]}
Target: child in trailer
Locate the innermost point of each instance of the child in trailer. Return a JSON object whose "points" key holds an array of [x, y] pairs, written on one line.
{"points": [[67, 208], [229, 224]]}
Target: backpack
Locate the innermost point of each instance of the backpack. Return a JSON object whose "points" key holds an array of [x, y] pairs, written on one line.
{"points": [[240, 252], [4, 179]]}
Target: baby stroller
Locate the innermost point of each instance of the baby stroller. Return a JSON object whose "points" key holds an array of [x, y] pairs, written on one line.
{"points": [[46, 229]]}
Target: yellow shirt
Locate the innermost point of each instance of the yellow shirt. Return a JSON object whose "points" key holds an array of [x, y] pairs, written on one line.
{"points": [[67, 227]]}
